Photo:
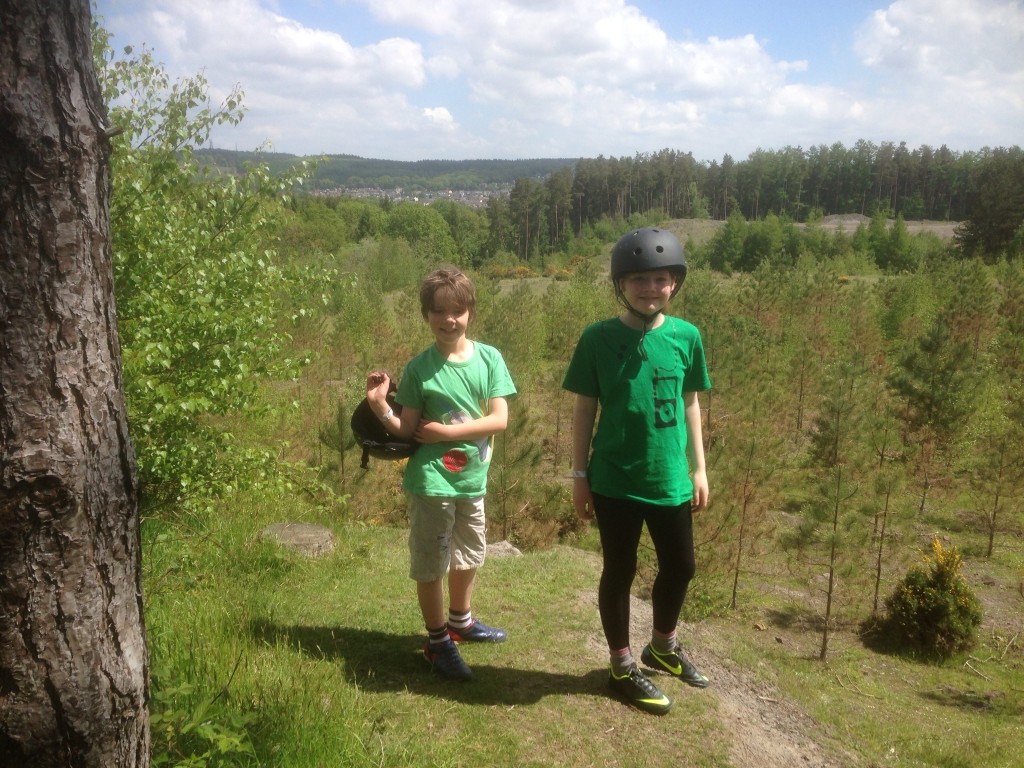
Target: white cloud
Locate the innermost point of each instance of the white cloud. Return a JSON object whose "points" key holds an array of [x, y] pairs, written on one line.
{"points": [[938, 38], [951, 66], [521, 78], [439, 116]]}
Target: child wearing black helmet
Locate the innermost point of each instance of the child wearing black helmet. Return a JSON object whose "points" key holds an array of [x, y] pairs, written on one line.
{"points": [[453, 398], [645, 462]]}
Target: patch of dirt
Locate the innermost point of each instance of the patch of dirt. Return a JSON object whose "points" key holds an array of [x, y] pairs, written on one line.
{"points": [[697, 230], [767, 731], [848, 222], [702, 230]]}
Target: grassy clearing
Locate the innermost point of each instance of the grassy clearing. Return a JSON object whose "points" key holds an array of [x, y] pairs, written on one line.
{"points": [[320, 659], [325, 654]]}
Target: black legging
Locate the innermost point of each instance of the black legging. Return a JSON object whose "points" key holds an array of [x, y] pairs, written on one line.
{"points": [[620, 522]]}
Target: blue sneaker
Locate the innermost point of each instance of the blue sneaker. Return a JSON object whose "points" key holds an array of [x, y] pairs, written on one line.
{"points": [[637, 689], [446, 661], [675, 664], [478, 632]]}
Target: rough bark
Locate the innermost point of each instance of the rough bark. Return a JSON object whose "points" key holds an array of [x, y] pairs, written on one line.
{"points": [[73, 661]]}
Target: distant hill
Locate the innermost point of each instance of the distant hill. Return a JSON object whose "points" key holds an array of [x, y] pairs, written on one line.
{"points": [[349, 171]]}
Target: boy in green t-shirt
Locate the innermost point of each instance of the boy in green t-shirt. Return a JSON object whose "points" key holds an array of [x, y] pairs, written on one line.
{"points": [[454, 400], [645, 463]]}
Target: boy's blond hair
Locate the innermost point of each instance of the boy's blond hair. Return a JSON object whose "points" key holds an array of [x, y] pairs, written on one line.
{"points": [[448, 284]]}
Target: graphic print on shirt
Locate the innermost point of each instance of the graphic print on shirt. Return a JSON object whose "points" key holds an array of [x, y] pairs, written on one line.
{"points": [[666, 385], [455, 459]]}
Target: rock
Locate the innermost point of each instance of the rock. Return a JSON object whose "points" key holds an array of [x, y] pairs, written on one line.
{"points": [[502, 549], [305, 538]]}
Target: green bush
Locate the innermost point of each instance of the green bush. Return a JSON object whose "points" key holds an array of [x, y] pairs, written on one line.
{"points": [[933, 612]]}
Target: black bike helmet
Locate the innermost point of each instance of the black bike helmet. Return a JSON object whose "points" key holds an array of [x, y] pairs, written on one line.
{"points": [[374, 439], [644, 250]]}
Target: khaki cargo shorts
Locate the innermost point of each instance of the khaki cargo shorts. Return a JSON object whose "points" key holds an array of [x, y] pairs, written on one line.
{"points": [[445, 532]]}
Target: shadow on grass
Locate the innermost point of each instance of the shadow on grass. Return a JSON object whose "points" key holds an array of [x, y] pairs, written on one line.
{"points": [[951, 696], [795, 617], [381, 662]]}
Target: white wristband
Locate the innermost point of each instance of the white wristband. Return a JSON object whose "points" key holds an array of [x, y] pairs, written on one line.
{"points": [[387, 416], [578, 473]]}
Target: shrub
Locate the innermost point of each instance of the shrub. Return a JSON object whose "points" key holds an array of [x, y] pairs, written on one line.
{"points": [[933, 612]]}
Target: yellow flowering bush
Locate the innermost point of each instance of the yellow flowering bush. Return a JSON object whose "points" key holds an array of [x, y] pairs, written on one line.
{"points": [[933, 612]]}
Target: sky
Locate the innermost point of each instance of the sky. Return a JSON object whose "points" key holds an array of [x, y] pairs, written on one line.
{"points": [[514, 79]]}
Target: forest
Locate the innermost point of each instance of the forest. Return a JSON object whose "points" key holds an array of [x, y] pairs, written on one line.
{"points": [[552, 197], [864, 433]]}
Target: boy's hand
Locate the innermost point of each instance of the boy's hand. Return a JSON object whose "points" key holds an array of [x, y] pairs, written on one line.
{"points": [[377, 384], [431, 432]]}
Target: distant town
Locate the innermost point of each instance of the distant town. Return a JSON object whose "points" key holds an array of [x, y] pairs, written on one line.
{"points": [[472, 198]]}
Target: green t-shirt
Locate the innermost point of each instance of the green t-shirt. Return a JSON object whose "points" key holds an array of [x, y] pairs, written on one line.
{"points": [[451, 393], [639, 448]]}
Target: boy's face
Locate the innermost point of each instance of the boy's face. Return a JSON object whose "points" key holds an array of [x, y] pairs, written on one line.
{"points": [[448, 321], [648, 292]]}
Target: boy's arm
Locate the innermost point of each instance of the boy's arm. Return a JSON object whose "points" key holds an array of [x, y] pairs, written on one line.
{"points": [[403, 426], [493, 422], [584, 414], [695, 447]]}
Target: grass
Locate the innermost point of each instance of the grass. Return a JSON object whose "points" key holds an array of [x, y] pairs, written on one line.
{"points": [[330, 661], [317, 660]]}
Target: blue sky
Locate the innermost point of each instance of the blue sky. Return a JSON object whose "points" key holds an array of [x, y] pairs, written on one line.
{"points": [[464, 79]]}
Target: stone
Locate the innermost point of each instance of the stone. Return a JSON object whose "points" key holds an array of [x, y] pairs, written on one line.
{"points": [[502, 549], [305, 538]]}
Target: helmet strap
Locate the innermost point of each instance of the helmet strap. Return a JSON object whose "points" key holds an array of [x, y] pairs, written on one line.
{"points": [[646, 320]]}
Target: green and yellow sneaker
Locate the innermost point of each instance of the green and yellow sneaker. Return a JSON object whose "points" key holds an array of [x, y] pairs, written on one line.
{"points": [[637, 689], [676, 664]]}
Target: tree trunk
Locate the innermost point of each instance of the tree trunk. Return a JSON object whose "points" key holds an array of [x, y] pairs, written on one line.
{"points": [[73, 661]]}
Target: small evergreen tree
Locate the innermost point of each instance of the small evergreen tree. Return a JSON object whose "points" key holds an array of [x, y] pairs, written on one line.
{"points": [[748, 480], [995, 461], [831, 532], [513, 507], [895, 252], [889, 480], [932, 384]]}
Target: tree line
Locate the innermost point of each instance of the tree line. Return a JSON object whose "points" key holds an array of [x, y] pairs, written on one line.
{"points": [[549, 199], [982, 189]]}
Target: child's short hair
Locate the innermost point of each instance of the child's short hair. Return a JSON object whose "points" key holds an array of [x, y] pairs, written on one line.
{"points": [[448, 284]]}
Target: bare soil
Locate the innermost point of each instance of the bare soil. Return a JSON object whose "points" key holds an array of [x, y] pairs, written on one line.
{"points": [[850, 221], [702, 230]]}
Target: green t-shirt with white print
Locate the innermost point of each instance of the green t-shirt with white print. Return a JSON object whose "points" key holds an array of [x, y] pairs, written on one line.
{"points": [[450, 393]]}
